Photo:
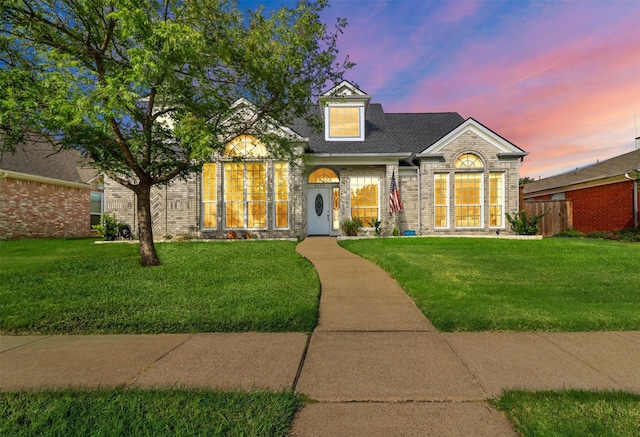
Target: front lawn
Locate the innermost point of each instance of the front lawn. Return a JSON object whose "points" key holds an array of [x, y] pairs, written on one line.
{"points": [[146, 412], [78, 287], [479, 284], [572, 413]]}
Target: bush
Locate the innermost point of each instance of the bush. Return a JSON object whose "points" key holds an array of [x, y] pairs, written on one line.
{"points": [[351, 227], [111, 229], [521, 224], [629, 234], [626, 234], [570, 233], [606, 235]]}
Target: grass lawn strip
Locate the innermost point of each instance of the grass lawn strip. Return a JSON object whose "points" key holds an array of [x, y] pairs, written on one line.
{"points": [[554, 284], [78, 287], [146, 412], [572, 413]]}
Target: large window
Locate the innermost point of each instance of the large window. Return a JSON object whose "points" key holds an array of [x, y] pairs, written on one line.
{"points": [[209, 196], [281, 194], [441, 200], [469, 200], [365, 199], [468, 191], [496, 200], [344, 122], [245, 195]]}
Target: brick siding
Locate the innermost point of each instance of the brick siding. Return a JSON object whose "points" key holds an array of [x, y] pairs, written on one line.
{"points": [[30, 209], [603, 208]]}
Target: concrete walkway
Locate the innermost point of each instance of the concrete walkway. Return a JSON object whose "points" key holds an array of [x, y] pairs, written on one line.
{"points": [[375, 364]]}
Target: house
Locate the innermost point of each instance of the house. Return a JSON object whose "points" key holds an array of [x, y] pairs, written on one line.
{"points": [[603, 196], [47, 193], [454, 176]]}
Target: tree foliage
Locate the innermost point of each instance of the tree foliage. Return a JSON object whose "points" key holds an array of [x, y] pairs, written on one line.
{"points": [[146, 88]]}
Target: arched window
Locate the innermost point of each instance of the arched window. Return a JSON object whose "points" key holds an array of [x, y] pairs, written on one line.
{"points": [[323, 176], [468, 160], [246, 146], [469, 192]]}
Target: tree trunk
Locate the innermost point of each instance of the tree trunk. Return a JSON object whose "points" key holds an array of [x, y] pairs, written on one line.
{"points": [[148, 256]]}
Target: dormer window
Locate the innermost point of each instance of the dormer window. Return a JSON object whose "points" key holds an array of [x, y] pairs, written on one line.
{"points": [[344, 113], [344, 121]]}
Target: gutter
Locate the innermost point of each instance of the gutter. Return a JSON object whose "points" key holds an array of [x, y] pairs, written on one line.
{"points": [[5, 174], [359, 158]]}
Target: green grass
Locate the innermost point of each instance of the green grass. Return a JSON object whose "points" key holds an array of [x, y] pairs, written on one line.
{"points": [[78, 287], [148, 412], [572, 413], [467, 284]]}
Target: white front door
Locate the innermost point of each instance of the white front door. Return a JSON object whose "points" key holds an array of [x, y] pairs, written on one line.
{"points": [[319, 211]]}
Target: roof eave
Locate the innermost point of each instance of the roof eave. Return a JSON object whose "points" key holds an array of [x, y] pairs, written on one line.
{"points": [[41, 179]]}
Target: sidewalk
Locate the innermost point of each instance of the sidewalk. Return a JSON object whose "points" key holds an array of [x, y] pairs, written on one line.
{"points": [[375, 364], [378, 367]]}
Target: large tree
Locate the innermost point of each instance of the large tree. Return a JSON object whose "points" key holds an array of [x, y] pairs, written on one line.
{"points": [[146, 88]]}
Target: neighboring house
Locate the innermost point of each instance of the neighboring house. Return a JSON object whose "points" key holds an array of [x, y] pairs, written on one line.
{"points": [[47, 193], [453, 176], [601, 196]]}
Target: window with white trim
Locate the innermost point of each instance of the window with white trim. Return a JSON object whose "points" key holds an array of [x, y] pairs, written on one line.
{"points": [[365, 199], [209, 196], [344, 123], [469, 200], [441, 200], [281, 194], [496, 200]]}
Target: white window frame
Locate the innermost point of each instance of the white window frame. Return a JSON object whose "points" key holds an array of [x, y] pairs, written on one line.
{"points": [[276, 202], [482, 201], [327, 135], [245, 201], [447, 178], [376, 178], [213, 202], [502, 200]]}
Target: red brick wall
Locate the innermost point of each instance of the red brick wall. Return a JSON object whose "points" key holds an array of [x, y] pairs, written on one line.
{"points": [[36, 210], [604, 208]]}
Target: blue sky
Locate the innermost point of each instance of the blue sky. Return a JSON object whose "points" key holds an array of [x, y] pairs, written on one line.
{"points": [[560, 79]]}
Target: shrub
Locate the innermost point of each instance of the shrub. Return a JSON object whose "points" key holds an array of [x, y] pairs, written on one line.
{"points": [[606, 235], [522, 224], [629, 234], [351, 227], [570, 233], [111, 229], [376, 224]]}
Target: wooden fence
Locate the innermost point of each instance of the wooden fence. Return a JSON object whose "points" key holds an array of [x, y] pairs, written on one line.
{"points": [[558, 215]]}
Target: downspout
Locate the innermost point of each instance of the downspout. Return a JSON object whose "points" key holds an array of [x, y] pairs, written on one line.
{"points": [[419, 171]]}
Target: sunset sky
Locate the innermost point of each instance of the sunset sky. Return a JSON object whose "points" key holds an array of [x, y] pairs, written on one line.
{"points": [[560, 80]]}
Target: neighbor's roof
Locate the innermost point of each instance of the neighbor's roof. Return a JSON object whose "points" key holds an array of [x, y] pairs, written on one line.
{"points": [[41, 159], [386, 133], [616, 166]]}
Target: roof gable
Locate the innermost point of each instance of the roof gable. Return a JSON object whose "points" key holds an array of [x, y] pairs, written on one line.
{"points": [[346, 89], [504, 147]]}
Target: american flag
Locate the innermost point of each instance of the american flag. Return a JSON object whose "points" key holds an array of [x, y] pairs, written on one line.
{"points": [[394, 196]]}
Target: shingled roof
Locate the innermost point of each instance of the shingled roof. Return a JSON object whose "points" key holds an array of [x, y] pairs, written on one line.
{"points": [[42, 160], [386, 132], [617, 166]]}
